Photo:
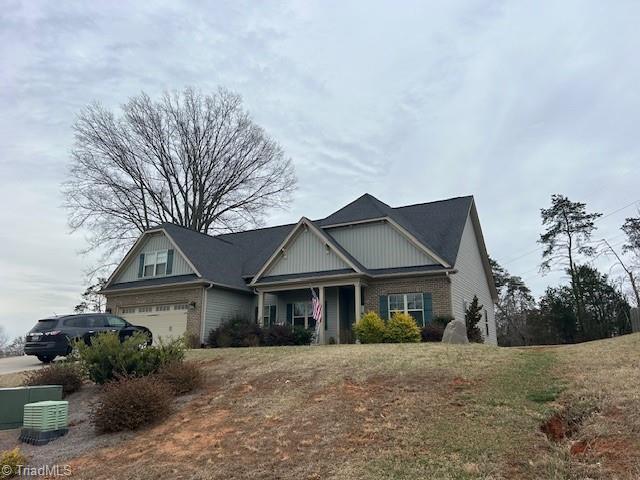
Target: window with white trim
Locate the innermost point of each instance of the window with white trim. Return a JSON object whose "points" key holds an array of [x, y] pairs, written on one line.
{"points": [[411, 303], [303, 315], [163, 308], [145, 309], [129, 310], [155, 263], [181, 306], [269, 315]]}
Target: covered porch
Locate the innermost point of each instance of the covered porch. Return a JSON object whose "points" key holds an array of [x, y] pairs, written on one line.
{"points": [[290, 304]]}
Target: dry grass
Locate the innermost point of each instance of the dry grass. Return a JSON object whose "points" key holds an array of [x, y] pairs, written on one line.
{"points": [[12, 379], [387, 411]]}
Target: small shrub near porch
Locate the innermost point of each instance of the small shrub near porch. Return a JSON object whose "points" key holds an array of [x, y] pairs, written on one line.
{"points": [[402, 328], [370, 328]]}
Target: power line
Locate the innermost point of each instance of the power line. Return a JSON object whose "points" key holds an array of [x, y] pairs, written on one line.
{"points": [[537, 249]]}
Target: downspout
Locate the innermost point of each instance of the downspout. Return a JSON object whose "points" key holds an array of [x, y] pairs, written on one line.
{"points": [[205, 300]]}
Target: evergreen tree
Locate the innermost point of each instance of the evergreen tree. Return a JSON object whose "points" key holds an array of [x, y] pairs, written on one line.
{"points": [[472, 317]]}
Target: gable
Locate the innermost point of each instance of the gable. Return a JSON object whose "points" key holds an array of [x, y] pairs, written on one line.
{"points": [[380, 245], [306, 253], [152, 243]]}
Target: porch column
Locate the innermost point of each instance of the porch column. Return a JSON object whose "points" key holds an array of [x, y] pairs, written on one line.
{"points": [[324, 316], [260, 318], [358, 300]]}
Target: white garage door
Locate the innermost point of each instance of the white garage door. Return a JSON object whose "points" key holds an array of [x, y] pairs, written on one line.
{"points": [[164, 321]]}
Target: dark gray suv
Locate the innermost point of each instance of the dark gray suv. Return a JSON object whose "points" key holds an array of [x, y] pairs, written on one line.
{"points": [[52, 337]]}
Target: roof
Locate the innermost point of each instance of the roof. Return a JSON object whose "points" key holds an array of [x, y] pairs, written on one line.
{"points": [[151, 282], [230, 259]]}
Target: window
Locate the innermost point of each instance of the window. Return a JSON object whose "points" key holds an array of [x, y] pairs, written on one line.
{"points": [[411, 303], [116, 322], [76, 322], [155, 263], [269, 316], [128, 310], [486, 322], [181, 306], [145, 309], [163, 308], [302, 315]]}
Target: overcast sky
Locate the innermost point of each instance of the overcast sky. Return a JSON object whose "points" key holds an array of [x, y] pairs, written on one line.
{"points": [[410, 102]]}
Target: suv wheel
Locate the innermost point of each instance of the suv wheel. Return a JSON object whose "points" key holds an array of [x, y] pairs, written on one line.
{"points": [[46, 358]]}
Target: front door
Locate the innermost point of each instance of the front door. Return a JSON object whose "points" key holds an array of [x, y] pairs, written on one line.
{"points": [[347, 307]]}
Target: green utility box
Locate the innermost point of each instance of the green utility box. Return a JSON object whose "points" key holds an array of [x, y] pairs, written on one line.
{"points": [[13, 400], [44, 421]]}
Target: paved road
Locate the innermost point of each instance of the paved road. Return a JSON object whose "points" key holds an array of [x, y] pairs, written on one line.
{"points": [[18, 364]]}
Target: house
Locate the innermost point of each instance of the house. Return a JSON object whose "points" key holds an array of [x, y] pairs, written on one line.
{"points": [[427, 259]]}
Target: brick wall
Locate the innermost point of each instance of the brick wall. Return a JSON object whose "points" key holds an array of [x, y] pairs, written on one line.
{"points": [[191, 295], [438, 286]]}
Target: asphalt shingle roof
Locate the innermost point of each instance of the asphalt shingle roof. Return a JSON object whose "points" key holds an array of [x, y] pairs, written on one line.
{"points": [[230, 259]]}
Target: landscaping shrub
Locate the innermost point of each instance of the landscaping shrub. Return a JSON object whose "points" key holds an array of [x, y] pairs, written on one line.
{"points": [[302, 336], [181, 377], [67, 374], [130, 403], [442, 320], [107, 357], [10, 460], [277, 335], [238, 331], [472, 316], [370, 328], [402, 328], [432, 332]]}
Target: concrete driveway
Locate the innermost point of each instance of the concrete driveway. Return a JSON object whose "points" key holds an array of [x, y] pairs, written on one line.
{"points": [[19, 364]]}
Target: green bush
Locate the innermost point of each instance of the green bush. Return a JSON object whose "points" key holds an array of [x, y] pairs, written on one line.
{"points": [[302, 336], [130, 403], [402, 328], [278, 335], [67, 374], [370, 328], [442, 320], [107, 357], [472, 317], [10, 461], [238, 331], [181, 377], [432, 332]]}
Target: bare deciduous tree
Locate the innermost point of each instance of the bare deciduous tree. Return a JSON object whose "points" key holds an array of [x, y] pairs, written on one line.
{"points": [[196, 160]]}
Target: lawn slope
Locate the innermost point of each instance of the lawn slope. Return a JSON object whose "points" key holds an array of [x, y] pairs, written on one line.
{"points": [[396, 411]]}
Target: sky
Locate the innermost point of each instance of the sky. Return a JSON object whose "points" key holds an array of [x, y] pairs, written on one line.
{"points": [[409, 101]]}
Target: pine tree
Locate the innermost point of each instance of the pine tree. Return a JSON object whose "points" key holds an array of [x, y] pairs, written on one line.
{"points": [[472, 317]]}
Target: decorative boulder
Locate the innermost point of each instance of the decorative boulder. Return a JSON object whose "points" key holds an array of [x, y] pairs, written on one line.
{"points": [[455, 332]]}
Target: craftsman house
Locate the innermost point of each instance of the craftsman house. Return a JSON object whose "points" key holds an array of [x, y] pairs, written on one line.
{"points": [[427, 259]]}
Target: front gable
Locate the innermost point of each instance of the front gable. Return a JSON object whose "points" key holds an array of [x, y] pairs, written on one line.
{"points": [[380, 245], [149, 245], [306, 253]]}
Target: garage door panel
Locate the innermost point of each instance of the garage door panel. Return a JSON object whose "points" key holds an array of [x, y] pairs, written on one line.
{"points": [[166, 325]]}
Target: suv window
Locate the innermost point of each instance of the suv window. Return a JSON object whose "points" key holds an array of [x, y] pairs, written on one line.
{"points": [[97, 321], [116, 322], [45, 325], [76, 322]]}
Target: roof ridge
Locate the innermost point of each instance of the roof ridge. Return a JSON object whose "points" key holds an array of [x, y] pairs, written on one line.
{"points": [[212, 237], [433, 201]]}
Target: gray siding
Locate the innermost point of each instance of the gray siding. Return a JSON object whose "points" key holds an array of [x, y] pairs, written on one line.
{"points": [[380, 245], [223, 304], [154, 242], [306, 253], [471, 280]]}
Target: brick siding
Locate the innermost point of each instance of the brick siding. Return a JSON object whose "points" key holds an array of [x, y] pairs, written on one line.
{"points": [[115, 302], [438, 286]]}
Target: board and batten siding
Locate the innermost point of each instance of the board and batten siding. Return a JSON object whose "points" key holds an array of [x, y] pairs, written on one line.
{"points": [[153, 243], [306, 253], [222, 305], [471, 280], [380, 245]]}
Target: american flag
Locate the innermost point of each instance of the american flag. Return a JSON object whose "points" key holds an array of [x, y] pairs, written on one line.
{"points": [[316, 307]]}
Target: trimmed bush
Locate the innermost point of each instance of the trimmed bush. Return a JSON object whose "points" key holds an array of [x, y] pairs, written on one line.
{"points": [[67, 374], [402, 328], [302, 336], [10, 461], [235, 332], [130, 403], [442, 320], [472, 317], [278, 335], [181, 377], [432, 332], [370, 328], [107, 358]]}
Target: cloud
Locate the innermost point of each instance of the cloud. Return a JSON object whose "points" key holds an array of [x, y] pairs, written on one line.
{"points": [[507, 101]]}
